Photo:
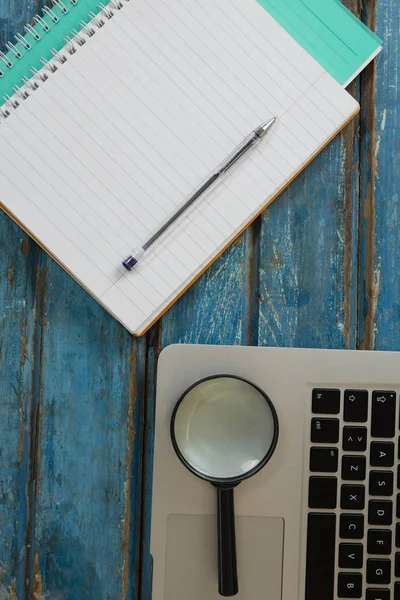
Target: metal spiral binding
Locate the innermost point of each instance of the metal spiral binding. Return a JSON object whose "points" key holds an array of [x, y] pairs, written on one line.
{"points": [[23, 41], [96, 20], [39, 21], [29, 30], [47, 11], [62, 6], [14, 50], [78, 38], [71, 45], [5, 60]]}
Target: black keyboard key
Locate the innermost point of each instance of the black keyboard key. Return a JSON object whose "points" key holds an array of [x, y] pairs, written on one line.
{"points": [[381, 483], [354, 439], [320, 566], [351, 527], [324, 460], [397, 565], [349, 585], [398, 448], [378, 571], [322, 492], [380, 512], [398, 477], [325, 431], [377, 594], [356, 406], [381, 454], [350, 556], [379, 541], [352, 497], [353, 468], [326, 402], [383, 414], [397, 535], [398, 506], [396, 591]]}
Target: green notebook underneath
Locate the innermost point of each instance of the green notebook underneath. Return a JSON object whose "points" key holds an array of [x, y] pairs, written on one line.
{"points": [[341, 43], [325, 28]]}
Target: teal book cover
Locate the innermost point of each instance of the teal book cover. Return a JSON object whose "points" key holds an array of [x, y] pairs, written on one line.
{"points": [[339, 41], [325, 28]]}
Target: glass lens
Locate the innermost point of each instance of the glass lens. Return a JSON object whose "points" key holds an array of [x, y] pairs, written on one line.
{"points": [[224, 428]]}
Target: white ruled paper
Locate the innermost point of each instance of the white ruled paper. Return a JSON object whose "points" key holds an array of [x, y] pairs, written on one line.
{"points": [[133, 122]]}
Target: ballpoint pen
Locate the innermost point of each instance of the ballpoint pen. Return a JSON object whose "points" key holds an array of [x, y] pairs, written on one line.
{"points": [[248, 143]]}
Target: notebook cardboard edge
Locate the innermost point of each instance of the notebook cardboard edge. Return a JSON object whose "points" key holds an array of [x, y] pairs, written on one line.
{"points": [[141, 332], [363, 66]]}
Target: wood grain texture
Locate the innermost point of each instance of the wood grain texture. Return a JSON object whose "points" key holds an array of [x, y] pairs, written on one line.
{"points": [[216, 309], [380, 197], [18, 304], [87, 467], [70, 454], [302, 259]]}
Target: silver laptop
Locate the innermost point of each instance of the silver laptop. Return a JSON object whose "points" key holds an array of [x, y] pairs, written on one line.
{"points": [[321, 520]]}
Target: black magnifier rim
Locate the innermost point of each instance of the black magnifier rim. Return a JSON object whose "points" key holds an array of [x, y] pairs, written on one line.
{"points": [[227, 480]]}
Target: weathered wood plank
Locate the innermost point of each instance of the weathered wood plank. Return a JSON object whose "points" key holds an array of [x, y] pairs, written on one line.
{"points": [[380, 233], [216, 309], [143, 591], [302, 258], [308, 268], [88, 465], [18, 271]]}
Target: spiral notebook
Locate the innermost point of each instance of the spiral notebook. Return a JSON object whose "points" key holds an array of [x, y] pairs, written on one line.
{"points": [[114, 132], [327, 30]]}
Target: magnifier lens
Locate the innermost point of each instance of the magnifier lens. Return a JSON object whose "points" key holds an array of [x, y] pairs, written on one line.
{"points": [[224, 428]]}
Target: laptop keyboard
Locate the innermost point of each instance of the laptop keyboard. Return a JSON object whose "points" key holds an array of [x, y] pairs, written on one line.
{"points": [[353, 540]]}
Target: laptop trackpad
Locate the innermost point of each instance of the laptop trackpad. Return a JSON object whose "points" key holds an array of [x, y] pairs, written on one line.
{"points": [[191, 561]]}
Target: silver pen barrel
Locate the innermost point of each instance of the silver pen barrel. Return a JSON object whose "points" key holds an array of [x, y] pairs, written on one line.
{"points": [[239, 151], [248, 143]]}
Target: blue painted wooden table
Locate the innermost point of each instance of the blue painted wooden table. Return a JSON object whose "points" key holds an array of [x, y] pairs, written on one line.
{"points": [[320, 268]]}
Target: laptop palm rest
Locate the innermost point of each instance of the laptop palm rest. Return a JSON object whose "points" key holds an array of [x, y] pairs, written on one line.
{"points": [[191, 558]]}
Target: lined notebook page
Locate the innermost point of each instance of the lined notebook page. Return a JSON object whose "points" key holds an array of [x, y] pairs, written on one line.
{"points": [[114, 141]]}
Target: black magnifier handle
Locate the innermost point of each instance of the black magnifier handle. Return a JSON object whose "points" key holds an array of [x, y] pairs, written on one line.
{"points": [[227, 563]]}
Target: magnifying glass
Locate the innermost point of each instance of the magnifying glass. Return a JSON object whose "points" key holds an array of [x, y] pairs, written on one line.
{"points": [[224, 429]]}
